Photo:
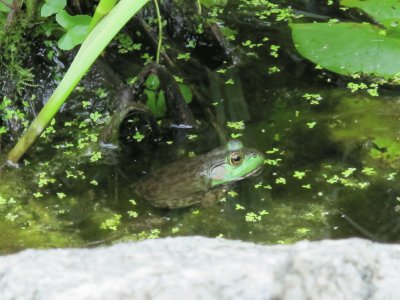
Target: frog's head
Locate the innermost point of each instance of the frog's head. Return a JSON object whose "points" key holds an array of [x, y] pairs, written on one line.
{"points": [[238, 163]]}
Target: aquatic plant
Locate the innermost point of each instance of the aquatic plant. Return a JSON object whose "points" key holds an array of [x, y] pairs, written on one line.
{"points": [[93, 46], [347, 48]]}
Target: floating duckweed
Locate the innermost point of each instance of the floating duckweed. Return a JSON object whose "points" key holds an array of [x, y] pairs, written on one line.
{"points": [[132, 214], [239, 207], [184, 56], [252, 217], [96, 117], [111, 223], [145, 235], [273, 162], [356, 86], [232, 194], [311, 125], [236, 135], [273, 69], [280, 180], [11, 217], [348, 172], [3, 200], [299, 174], [84, 105], [95, 156], [61, 195], [303, 230], [138, 136], [368, 171], [272, 151], [43, 180], [314, 99], [274, 50]]}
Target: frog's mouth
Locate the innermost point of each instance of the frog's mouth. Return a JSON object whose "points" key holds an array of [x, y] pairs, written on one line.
{"points": [[255, 172]]}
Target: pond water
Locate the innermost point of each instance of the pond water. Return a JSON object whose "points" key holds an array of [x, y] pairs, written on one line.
{"points": [[331, 168]]}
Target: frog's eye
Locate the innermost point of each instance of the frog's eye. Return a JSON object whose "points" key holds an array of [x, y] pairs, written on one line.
{"points": [[236, 158]]}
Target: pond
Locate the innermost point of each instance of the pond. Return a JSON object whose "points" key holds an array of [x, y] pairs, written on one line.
{"points": [[331, 155]]}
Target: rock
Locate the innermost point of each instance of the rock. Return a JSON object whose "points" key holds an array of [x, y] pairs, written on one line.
{"points": [[204, 268]]}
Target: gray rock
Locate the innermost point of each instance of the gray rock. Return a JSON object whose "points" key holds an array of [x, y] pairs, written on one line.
{"points": [[202, 268]]}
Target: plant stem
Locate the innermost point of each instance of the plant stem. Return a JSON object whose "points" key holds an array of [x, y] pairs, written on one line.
{"points": [[30, 7], [199, 6], [102, 10], [91, 48], [159, 31]]}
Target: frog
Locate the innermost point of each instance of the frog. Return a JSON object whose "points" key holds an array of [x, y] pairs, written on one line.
{"points": [[200, 179]]}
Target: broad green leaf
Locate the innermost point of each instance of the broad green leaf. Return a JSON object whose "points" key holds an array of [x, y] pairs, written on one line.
{"points": [[152, 82], [77, 29], [68, 22], [4, 7], [348, 48], [386, 12], [51, 7]]}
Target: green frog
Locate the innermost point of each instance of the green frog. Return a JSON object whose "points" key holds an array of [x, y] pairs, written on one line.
{"points": [[196, 180]]}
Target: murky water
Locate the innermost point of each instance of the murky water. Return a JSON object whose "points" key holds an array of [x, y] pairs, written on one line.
{"points": [[330, 172]]}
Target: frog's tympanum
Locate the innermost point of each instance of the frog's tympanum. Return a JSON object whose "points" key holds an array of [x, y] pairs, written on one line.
{"points": [[196, 180]]}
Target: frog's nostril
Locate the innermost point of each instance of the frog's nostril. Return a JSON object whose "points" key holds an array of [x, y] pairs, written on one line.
{"points": [[254, 155]]}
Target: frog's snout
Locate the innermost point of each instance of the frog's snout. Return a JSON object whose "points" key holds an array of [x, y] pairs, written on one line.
{"points": [[257, 155]]}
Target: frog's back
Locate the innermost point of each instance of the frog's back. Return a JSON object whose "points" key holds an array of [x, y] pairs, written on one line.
{"points": [[176, 185]]}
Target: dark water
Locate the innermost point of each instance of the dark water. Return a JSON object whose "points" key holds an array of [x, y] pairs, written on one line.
{"points": [[330, 172]]}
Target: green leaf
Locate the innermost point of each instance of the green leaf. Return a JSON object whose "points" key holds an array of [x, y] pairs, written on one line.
{"points": [[77, 29], [92, 47], [152, 82], [68, 22], [211, 3], [385, 12], [4, 7], [156, 103], [51, 7], [186, 92], [348, 48]]}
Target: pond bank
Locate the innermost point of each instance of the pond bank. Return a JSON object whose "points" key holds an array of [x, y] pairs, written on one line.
{"points": [[205, 268]]}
